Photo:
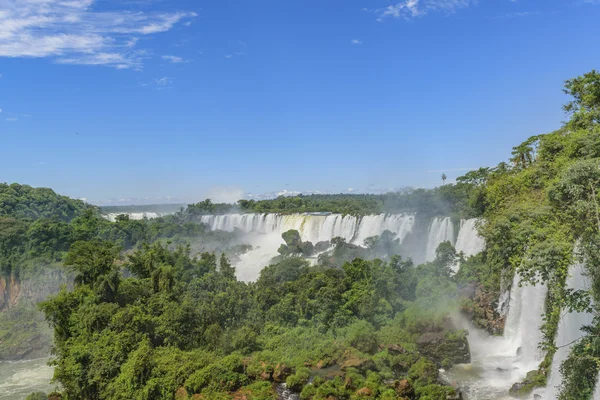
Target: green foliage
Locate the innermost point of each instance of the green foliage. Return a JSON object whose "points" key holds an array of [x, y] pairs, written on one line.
{"points": [[25, 202], [37, 396]]}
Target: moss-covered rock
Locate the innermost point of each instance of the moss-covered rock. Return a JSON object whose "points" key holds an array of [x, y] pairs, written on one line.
{"points": [[449, 347], [534, 379]]}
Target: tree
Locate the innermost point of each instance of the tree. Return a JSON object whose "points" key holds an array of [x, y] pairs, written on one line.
{"points": [[225, 267], [585, 108], [444, 177], [91, 260]]}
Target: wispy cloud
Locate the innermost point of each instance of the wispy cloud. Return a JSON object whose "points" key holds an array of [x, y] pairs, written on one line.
{"points": [[73, 32], [158, 83], [12, 119], [174, 59], [357, 41], [408, 9], [164, 81], [520, 14]]}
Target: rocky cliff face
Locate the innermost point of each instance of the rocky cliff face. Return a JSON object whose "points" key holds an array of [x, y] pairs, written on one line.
{"points": [[482, 308], [24, 334], [10, 291]]}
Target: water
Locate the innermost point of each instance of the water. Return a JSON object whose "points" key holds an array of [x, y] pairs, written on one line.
{"points": [[569, 330], [441, 230], [469, 241], [283, 393], [112, 217], [265, 232], [19, 379], [499, 362]]}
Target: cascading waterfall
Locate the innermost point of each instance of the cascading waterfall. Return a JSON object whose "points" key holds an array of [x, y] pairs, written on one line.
{"points": [[441, 230], [112, 217], [569, 330], [523, 323], [469, 241], [312, 228], [319, 228], [499, 362]]}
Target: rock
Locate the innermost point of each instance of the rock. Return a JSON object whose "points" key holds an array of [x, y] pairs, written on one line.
{"points": [[366, 392], [537, 397], [445, 348], [522, 390], [395, 349], [364, 364], [322, 246], [404, 389], [281, 372], [519, 351]]}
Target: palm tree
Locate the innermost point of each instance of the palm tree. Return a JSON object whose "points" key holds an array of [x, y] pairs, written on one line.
{"points": [[444, 177]]}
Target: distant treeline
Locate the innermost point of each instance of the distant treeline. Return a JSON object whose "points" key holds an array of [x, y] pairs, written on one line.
{"points": [[155, 208], [461, 199]]}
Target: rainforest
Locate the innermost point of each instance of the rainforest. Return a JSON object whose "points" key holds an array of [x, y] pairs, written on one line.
{"points": [[484, 288]]}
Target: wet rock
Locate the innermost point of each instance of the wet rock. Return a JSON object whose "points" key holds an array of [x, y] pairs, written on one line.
{"points": [[281, 372], [395, 349], [364, 392], [445, 348], [404, 389], [480, 307], [361, 364], [522, 390], [322, 246]]}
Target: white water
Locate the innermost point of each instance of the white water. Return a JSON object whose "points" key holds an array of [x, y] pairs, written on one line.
{"points": [[112, 217], [441, 230], [19, 379], [499, 362], [569, 330], [312, 228], [319, 228], [469, 241], [315, 228]]}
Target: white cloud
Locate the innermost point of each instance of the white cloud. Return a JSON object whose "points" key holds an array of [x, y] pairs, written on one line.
{"points": [[228, 56], [73, 32], [409, 9], [173, 59], [164, 81], [11, 119], [357, 41]]}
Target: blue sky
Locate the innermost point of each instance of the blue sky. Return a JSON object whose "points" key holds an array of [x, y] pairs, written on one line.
{"points": [[180, 100]]}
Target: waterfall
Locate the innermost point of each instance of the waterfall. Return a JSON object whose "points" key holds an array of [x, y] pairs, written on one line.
{"points": [[499, 362], [440, 230], [569, 330], [469, 241], [312, 228], [523, 323], [112, 217]]}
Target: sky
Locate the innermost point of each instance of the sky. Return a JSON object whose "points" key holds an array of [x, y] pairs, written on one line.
{"points": [[133, 101]]}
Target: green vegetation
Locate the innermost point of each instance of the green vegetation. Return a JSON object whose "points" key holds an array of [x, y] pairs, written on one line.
{"points": [[25, 202], [159, 321], [184, 325], [445, 200]]}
